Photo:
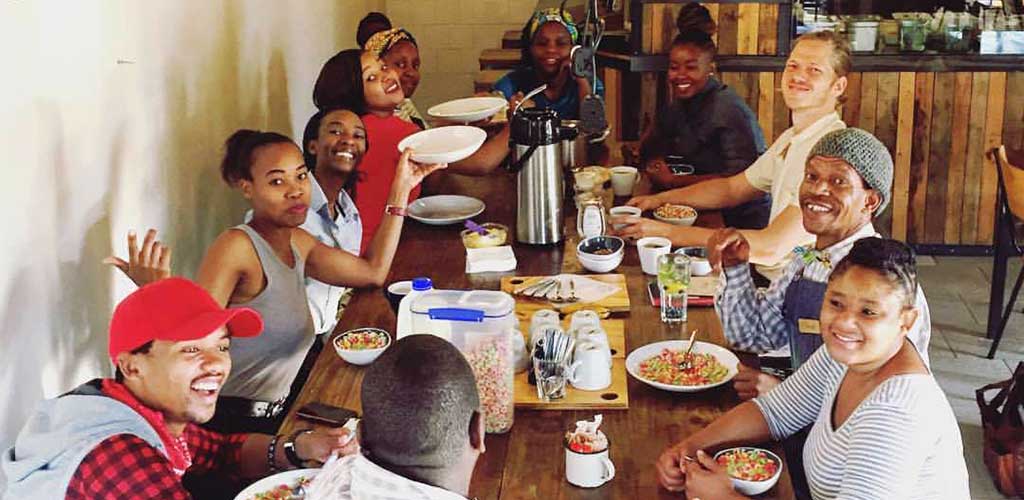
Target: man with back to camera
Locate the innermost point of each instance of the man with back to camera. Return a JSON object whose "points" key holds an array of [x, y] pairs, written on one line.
{"points": [[422, 429]]}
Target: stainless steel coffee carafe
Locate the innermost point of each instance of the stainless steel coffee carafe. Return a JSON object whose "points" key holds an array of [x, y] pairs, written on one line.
{"points": [[537, 159]]}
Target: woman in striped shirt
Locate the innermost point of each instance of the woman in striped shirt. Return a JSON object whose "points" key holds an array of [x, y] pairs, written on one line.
{"points": [[882, 428]]}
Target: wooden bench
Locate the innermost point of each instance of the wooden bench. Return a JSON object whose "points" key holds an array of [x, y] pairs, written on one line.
{"points": [[499, 58]]}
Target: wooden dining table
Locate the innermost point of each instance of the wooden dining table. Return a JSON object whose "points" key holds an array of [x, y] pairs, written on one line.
{"points": [[528, 461]]}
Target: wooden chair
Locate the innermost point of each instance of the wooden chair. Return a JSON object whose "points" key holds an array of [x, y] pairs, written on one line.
{"points": [[1009, 207]]}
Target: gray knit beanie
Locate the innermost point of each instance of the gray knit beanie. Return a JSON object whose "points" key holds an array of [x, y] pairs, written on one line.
{"points": [[862, 151]]}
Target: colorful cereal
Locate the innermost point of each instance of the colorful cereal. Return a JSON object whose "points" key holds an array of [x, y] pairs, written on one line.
{"points": [[491, 360], [749, 464]]}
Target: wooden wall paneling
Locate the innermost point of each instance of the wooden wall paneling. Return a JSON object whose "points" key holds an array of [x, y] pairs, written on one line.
{"points": [[714, 12], [651, 28], [613, 101], [747, 28], [975, 159], [649, 83], [767, 30], [920, 148], [938, 165], [766, 104], [901, 159], [663, 28], [885, 130], [851, 108], [728, 28], [868, 102], [780, 116], [993, 138], [1013, 124], [957, 156]]}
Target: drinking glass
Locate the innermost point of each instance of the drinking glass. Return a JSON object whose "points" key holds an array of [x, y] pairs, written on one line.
{"points": [[551, 378], [673, 282]]}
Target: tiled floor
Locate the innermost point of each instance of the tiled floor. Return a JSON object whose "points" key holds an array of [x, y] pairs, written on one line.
{"points": [[957, 289]]}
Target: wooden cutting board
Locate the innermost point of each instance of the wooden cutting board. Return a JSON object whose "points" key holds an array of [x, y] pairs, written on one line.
{"points": [[525, 306], [614, 397]]}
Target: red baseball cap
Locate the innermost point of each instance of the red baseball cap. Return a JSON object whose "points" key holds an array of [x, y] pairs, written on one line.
{"points": [[174, 309]]}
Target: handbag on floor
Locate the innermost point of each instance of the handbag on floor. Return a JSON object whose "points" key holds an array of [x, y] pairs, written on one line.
{"points": [[1004, 432]]}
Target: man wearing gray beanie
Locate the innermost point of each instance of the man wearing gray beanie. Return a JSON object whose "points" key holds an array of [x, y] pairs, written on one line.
{"points": [[847, 182]]}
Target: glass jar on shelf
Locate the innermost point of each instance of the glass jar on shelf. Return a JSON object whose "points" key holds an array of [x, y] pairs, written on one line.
{"points": [[912, 35]]}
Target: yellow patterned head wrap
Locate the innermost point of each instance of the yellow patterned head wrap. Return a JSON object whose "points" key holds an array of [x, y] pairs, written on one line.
{"points": [[553, 15], [382, 41]]}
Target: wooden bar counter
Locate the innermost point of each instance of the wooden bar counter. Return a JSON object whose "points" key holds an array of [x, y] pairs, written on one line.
{"points": [[528, 461]]}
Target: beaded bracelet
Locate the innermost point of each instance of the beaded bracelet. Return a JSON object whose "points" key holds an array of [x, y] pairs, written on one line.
{"points": [[271, 449]]}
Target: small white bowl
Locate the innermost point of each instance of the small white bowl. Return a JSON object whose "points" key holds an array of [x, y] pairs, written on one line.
{"points": [[360, 357], [751, 488], [600, 263], [684, 221]]}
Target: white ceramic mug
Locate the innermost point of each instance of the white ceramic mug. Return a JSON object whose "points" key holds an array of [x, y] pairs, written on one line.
{"points": [[621, 211], [541, 319], [592, 334], [592, 368], [650, 248], [588, 470], [583, 318], [623, 179]]}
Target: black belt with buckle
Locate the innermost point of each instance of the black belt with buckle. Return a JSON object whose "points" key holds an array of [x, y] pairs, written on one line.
{"points": [[250, 407]]}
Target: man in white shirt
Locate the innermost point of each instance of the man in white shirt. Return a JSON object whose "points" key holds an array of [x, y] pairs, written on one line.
{"points": [[422, 428], [813, 83]]}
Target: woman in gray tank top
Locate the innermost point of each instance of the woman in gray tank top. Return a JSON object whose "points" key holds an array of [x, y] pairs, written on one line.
{"points": [[264, 262]]}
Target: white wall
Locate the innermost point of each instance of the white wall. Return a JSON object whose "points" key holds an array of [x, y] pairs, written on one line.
{"points": [[450, 35], [112, 115]]}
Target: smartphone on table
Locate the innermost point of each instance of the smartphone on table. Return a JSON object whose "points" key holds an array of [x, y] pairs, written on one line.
{"points": [[326, 414]]}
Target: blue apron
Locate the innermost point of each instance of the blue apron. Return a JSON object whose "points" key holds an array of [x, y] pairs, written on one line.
{"points": [[803, 301]]}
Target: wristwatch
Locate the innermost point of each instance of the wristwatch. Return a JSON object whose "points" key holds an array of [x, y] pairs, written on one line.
{"points": [[395, 210], [289, 448]]}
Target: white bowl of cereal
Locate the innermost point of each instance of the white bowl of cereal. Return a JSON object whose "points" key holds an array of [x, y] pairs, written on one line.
{"points": [[680, 215], [752, 470], [361, 346]]}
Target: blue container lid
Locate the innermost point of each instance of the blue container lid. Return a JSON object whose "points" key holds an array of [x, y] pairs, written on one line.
{"points": [[422, 284]]}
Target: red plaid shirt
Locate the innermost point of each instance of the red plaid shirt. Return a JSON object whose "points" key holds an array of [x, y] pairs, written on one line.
{"points": [[126, 466]]}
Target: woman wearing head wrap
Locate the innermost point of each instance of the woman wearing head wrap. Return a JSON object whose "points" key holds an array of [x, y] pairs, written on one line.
{"points": [[548, 39], [399, 51]]}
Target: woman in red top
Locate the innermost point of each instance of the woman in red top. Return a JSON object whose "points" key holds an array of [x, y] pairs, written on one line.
{"points": [[358, 80]]}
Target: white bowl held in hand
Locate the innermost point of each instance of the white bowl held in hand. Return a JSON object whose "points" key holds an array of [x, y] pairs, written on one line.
{"points": [[468, 110], [668, 213], [748, 487], [444, 144]]}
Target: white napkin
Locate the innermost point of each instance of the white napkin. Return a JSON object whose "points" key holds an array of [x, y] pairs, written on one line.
{"points": [[587, 289], [493, 259]]}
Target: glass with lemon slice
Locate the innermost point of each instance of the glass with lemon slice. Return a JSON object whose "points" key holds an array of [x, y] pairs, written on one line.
{"points": [[673, 282]]}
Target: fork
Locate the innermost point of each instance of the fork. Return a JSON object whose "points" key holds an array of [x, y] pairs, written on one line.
{"points": [[685, 364]]}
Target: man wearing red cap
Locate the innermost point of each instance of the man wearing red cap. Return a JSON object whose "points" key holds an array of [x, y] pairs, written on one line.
{"points": [[135, 436]]}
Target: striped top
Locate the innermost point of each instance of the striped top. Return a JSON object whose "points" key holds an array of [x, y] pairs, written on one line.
{"points": [[902, 441]]}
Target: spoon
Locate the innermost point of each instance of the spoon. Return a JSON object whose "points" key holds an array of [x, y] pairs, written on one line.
{"points": [[685, 363]]}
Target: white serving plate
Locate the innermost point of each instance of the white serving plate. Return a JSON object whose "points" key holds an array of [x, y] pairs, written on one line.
{"points": [[444, 144], [445, 209], [468, 110], [725, 356], [270, 482]]}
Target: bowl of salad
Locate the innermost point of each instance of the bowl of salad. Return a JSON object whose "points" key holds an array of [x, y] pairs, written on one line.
{"points": [[361, 346], [680, 215], [664, 365], [752, 470]]}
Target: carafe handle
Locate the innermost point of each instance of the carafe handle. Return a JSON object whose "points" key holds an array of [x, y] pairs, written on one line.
{"points": [[517, 165]]}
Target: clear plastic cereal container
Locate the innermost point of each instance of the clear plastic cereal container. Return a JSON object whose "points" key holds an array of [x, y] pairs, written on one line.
{"points": [[481, 324]]}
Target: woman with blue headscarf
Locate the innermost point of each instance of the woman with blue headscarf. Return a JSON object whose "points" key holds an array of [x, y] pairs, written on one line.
{"points": [[548, 39]]}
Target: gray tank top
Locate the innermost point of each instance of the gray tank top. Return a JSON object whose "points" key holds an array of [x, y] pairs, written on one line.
{"points": [[263, 367]]}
